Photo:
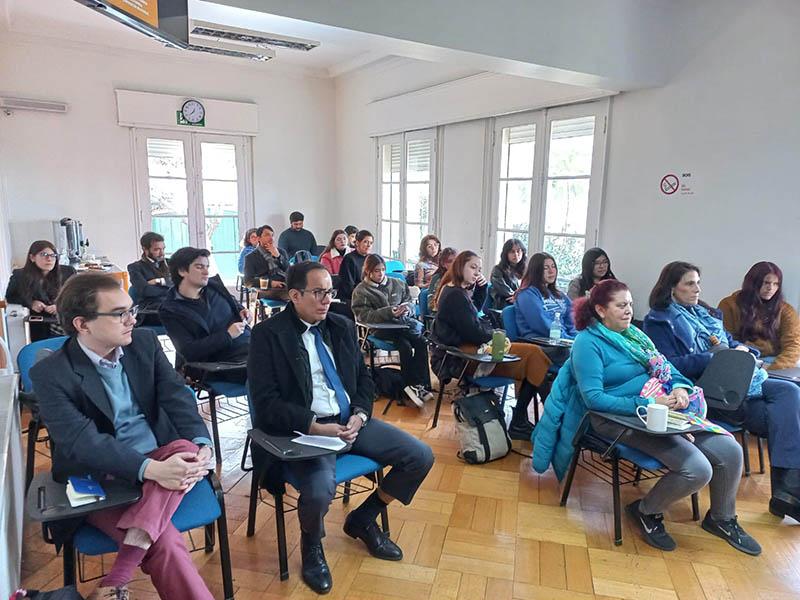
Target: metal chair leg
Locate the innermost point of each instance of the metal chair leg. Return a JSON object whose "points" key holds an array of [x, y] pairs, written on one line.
{"points": [[251, 509], [30, 462], [209, 538], [637, 476], [438, 405], [346, 498], [212, 409], [68, 551], [384, 510], [224, 547], [280, 526], [760, 444], [617, 511], [695, 507], [745, 452], [570, 475]]}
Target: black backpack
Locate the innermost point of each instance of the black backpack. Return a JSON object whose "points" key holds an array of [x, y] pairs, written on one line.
{"points": [[389, 382]]}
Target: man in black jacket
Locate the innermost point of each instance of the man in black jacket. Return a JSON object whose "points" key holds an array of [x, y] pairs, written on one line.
{"points": [[149, 276], [306, 373], [114, 406], [267, 262], [202, 319]]}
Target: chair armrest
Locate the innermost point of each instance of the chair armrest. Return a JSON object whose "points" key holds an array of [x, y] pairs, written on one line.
{"points": [[47, 500]]}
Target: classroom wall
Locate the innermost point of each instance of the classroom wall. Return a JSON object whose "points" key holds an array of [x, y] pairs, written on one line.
{"points": [[729, 117], [79, 164]]}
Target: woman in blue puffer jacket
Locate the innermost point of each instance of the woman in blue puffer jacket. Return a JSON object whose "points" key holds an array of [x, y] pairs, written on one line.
{"points": [[610, 364]]}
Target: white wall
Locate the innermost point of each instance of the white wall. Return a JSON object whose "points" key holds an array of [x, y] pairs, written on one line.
{"points": [[79, 164], [730, 118]]}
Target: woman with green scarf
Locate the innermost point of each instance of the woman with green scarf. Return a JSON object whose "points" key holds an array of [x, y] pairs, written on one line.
{"points": [[612, 362]]}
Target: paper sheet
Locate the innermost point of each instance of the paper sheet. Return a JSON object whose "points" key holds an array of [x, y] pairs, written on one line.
{"points": [[320, 441]]}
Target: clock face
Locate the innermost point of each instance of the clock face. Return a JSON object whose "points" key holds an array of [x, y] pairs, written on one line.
{"points": [[193, 111]]}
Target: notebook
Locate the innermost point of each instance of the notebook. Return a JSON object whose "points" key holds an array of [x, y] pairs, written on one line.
{"points": [[84, 490]]}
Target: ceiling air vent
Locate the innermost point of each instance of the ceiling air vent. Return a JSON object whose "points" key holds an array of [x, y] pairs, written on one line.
{"points": [[247, 37], [227, 49], [10, 104]]}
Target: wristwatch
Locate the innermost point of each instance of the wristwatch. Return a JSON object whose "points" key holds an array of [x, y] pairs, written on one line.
{"points": [[363, 416]]}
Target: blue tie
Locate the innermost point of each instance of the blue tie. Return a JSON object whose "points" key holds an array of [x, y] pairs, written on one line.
{"points": [[334, 381]]}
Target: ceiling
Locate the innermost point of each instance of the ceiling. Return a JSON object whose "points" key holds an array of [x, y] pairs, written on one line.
{"points": [[340, 50]]}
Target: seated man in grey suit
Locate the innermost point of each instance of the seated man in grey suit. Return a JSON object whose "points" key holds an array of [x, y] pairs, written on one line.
{"points": [[306, 373]]}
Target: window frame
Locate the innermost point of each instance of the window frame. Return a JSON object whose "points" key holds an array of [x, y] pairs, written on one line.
{"points": [[543, 120], [403, 139]]}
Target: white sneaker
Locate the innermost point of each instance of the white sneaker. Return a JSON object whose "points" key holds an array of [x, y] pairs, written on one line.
{"points": [[424, 393], [413, 395]]}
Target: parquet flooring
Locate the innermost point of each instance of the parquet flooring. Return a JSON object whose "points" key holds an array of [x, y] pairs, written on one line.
{"points": [[491, 532]]}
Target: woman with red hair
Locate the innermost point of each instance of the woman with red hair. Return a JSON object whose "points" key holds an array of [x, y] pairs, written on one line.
{"points": [[760, 317]]}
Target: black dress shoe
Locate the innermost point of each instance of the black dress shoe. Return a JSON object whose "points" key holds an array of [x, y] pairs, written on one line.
{"points": [[316, 573], [520, 431], [378, 543], [785, 493], [783, 504]]}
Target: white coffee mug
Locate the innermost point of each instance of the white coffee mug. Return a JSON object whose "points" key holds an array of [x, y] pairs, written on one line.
{"points": [[656, 416]]}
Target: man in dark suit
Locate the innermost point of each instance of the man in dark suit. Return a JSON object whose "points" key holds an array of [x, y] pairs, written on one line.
{"points": [[306, 373], [149, 276], [267, 262], [114, 406]]}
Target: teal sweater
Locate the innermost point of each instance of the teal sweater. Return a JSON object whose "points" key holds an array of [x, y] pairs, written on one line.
{"points": [[598, 376]]}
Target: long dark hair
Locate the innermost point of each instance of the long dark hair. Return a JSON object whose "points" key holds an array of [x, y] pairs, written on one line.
{"points": [[34, 281], [587, 269], [671, 275], [583, 311], [534, 276], [444, 256], [423, 250], [332, 242], [370, 264], [760, 317], [455, 274], [519, 268]]}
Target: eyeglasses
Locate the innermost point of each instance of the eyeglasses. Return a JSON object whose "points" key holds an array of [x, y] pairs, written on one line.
{"points": [[47, 255], [602, 262], [122, 315], [319, 295]]}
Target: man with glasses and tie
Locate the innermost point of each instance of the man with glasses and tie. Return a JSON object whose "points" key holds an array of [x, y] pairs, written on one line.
{"points": [[306, 373], [114, 406]]}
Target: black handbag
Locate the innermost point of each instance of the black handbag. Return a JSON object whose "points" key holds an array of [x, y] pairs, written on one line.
{"points": [[66, 593]]}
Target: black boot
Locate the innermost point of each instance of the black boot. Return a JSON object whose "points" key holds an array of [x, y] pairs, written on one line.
{"points": [[785, 492], [520, 427], [316, 573]]}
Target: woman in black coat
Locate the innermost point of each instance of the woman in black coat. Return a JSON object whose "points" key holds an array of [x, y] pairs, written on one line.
{"points": [[36, 286]]}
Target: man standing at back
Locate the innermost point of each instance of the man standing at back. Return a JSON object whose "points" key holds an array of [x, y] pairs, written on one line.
{"points": [[296, 239], [306, 373], [114, 406]]}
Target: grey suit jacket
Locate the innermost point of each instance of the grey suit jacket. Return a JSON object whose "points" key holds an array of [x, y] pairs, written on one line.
{"points": [[77, 412]]}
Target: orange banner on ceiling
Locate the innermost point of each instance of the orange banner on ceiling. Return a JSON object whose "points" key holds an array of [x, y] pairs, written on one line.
{"points": [[146, 10]]}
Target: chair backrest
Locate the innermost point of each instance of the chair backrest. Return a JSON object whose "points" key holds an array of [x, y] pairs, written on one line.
{"points": [[487, 302], [510, 322], [727, 378], [397, 275], [132, 293], [422, 303], [394, 266], [29, 356]]}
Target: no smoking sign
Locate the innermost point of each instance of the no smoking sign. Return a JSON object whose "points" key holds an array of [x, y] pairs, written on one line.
{"points": [[669, 184], [681, 184]]}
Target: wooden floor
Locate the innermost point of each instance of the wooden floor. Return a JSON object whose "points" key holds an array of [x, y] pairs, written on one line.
{"points": [[493, 531]]}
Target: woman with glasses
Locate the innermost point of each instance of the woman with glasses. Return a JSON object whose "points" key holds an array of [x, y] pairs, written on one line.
{"points": [[36, 286], [382, 299], [595, 267]]}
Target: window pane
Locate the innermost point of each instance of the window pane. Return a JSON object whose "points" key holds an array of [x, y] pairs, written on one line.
{"points": [[417, 202], [174, 229], [418, 162], [226, 264], [222, 234], [386, 200], [390, 239], [514, 209], [567, 206], [221, 197], [414, 235], [568, 252], [391, 162], [395, 201], [571, 147], [219, 161], [516, 156], [165, 158], [168, 197]]}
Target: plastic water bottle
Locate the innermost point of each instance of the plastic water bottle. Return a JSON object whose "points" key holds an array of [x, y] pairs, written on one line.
{"points": [[555, 327]]}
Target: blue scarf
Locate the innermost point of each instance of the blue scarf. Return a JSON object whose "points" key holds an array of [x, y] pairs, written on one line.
{"points": [[705, 325]]}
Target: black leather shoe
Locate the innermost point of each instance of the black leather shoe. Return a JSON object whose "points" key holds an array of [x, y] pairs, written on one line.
{"points": [[316, 573], [785, 493], [378, 543], [520, 431]]}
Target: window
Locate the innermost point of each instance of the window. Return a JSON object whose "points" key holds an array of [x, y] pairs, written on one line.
{"points": [[548, 185], [406, 168], [193, 190]]}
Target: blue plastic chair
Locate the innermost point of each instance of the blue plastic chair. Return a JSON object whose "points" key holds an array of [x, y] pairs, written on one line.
{"points": [[348, 467], [26, 358], [634, 464], [201, 507], [510, 322], [422, 306], [394, 266], [397, 275]]}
